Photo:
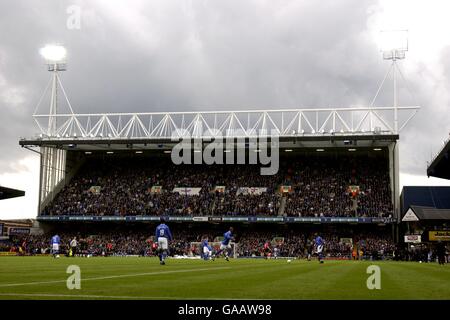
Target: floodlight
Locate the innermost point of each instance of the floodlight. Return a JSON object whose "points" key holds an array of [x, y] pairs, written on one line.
{"points": [[393, 44], [54, 53], [55, 57]]}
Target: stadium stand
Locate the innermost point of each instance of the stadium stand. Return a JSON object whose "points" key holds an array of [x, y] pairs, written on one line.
{"points": [[318, 186], [341, 242], [425, 212]]}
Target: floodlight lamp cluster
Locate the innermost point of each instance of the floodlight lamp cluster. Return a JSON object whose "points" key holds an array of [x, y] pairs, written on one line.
{"points": [[55, 57], [394, 44]]}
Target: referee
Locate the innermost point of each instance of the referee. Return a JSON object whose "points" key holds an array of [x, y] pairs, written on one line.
{"points": [[73, 246]]}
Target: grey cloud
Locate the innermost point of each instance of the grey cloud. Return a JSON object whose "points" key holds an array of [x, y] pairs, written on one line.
{"points": [[191, 55]]}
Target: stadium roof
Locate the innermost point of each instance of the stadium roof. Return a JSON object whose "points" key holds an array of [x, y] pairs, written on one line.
{"points": [[418, 213], [293, 142], [305, 124], [7, 193], [440, 165]]}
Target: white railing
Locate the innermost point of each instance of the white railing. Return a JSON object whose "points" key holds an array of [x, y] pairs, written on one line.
{"points": [[248, 123]]}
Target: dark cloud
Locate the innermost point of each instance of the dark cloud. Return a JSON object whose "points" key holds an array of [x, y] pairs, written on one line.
{"points": [[191, 55]]}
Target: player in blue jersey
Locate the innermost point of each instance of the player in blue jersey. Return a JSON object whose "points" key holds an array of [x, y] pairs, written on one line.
{"points": [[319, 247], [206, 249], [55, 243], [225, 245], [163, 236]]}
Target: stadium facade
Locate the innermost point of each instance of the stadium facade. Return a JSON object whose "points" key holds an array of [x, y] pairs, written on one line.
{"points": [[70, 140], [425, 210]]}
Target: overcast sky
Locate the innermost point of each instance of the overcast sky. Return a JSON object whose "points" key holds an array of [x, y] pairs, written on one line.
{"points": [[220, 54]]}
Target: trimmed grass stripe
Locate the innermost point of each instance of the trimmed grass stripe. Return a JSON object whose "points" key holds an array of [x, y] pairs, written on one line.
{"points": [[144, 278]]}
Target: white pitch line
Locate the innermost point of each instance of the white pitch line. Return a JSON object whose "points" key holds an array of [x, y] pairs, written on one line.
{"points": [[114, 277]]}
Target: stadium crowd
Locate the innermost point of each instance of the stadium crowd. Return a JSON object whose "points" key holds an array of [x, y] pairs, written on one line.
{"points": [[318, 187], [322, 189], [288, 244]]}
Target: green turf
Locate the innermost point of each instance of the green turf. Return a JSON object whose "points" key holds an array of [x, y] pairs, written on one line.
{"points": [[144, 278]]}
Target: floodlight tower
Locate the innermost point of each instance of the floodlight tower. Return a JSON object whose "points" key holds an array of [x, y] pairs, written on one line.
{"points": [[55, 57], [394, 45]]}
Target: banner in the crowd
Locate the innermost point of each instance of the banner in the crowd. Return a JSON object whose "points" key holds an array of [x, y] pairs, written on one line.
{"points": [[250, 191], [353, 190], [187, 191], [413, 238], [277, 240], [18, 231], [285, 189], [1, 229], [156, 189], [346, 240], [95, 189], [251, 219], [220, 189], [439, 235], [200, 219]]}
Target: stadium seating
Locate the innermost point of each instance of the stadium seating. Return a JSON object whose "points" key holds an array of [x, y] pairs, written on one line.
{"points": [[318, 186], [296, 243]]}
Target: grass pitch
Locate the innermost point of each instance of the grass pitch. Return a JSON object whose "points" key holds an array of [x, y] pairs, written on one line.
{"points": [[144, 278]]}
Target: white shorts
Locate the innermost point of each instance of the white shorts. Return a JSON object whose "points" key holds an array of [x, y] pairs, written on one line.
{"points": [[55, 247], [162, 243], [225, 246], [206, 250], [319, 248]]}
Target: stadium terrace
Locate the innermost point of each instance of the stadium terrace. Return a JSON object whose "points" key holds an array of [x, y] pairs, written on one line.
{"points": [[318, 166]]}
